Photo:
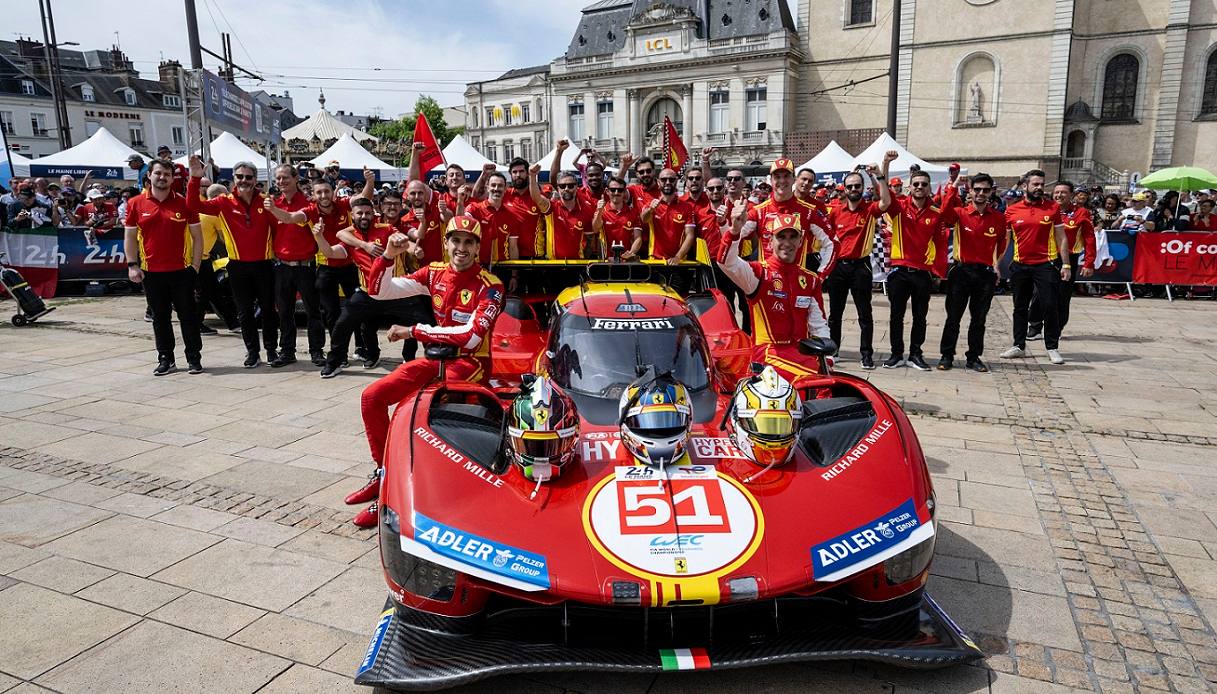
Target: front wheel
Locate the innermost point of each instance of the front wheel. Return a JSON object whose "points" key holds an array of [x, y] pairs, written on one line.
{"points": [[19, 320]]}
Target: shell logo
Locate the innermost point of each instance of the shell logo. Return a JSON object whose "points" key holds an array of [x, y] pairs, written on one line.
{"points": [[498, 114], [515, 111]]}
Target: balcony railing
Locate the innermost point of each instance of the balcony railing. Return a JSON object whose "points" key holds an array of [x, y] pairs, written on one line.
{"points": [[1086, 169]]}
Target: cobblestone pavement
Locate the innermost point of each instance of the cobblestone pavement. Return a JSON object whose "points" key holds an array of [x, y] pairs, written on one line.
{"points": [[189, 530]]}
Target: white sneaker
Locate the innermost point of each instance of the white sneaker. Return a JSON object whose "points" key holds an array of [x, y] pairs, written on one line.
{"points": [[1014, 352], [1055, 357]]}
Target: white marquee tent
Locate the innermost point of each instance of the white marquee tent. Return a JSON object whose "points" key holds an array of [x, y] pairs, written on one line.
{"points": [[352, 158], [459, 151], [832, 162], [900, 167], [323, 126], [226, 150], [21, 166], [103, 154], [568, 162]]}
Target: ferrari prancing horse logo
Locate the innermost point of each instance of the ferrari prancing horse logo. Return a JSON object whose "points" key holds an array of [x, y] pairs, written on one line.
{"points": [[466, 296]]}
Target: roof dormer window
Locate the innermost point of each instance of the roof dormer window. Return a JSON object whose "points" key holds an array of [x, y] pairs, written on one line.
{"points": [[129, 96], [86, 92]]}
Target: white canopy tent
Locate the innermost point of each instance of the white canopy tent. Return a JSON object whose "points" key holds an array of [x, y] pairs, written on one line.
{"points": [[352, 158], [833, 162], [568, 162], [226, 150], [900, 167], [103, 154], [323, 126], [21, 166], [459, 151]]}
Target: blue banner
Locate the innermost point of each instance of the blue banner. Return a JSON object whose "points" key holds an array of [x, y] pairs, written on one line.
{"points": [[80, 261], [109, 173], [856, 546], [488, 555], [228, 107]]}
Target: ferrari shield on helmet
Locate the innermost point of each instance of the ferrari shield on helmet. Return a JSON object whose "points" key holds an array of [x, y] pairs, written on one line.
{"points": [[765, 414], [542, 429], [656, 416]]}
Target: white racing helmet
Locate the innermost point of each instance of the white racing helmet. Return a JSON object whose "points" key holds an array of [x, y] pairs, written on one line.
{"points": [[764, 418]]}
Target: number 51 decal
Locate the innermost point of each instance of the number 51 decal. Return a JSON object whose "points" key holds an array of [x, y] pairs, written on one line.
{"points": [[694, 506]]}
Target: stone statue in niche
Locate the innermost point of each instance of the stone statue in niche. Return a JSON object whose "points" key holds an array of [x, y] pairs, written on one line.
{"points": [[975, 115]]}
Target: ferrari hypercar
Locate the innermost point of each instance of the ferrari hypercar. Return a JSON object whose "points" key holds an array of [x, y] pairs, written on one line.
{"points": [[713, 562]]}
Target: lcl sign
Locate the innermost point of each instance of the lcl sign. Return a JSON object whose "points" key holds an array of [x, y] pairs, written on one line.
{"points": [[659, 45]]}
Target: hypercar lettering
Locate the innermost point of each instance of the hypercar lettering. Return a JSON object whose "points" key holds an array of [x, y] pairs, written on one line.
{"points": [[485, 554], [858, 451], [720, 447], [613, 324], [861, 543], [600, 450]]}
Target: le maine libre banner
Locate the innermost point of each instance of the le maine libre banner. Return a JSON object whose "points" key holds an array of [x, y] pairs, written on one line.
{"points": [[1176, 258]]}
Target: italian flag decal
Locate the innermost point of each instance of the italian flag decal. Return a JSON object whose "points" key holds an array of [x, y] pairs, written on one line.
{"points": [[684, 659]]}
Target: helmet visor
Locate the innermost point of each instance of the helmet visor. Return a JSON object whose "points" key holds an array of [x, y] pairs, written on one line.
{"points": [[543, 445], [658, 423], [772, 425]]}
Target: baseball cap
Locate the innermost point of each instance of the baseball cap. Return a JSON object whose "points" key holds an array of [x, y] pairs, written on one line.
{"points": [[778, 222], [895, 181], [163, 148], [782, 164], [1140, 196], [954, 166], [94, 194], [135, 157], [466, 224]]}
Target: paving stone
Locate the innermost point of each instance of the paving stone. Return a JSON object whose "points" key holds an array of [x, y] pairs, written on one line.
{"points": [[301, 678], [995, 610], [291, 638], [194, 517], [258, 532], [272, 480], [335, 548], [267, 578], [167, 657], [81, 493], [97, 448], [43, 628], [351, 601], [32, 520], [14, 557], [206, 614], [138, 505], [989, 544], [63, 575], [132, 545], [25, 434], [31, 482], [131, 593], [189, 463]]}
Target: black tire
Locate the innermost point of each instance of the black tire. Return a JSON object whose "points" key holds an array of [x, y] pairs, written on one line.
{"points": [[19, 320]]}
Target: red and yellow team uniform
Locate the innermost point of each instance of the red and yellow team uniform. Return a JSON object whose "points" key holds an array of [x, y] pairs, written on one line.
{"points": [[105, 210], [916, 236], [433, 233], [667, 228], [1032, 225], [855, 229], [246, 229], [531, 230], [337, 219], [466, 305], [162, 230], [619, 226], [640, 195], [498, 224], [1079, 232], [814, 226], [565, 229], [377, 235], [293, 242]]}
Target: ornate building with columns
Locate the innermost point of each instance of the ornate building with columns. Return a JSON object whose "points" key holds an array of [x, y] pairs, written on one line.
{"points": [[724, 71]]}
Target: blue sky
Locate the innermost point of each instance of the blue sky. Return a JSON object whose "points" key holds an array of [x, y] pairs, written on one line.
{"points": [[419, 47]]}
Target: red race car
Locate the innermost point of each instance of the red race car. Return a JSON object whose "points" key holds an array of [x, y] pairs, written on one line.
{"points": [[715, 562]]}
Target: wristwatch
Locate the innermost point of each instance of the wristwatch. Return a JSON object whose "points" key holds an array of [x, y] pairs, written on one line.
{"points": [[133, 263]]}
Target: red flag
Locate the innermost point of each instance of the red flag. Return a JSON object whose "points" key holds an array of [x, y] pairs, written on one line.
{"points": [[675, 156], [432, 156]]}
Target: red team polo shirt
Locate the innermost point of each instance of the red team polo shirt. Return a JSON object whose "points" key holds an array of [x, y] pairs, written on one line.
{"points": [[619, 226], [565, 229], [855, 229], [531, 243], [978, 238], [294, 242], [497, 226], [246, 229], [668, 227], [1032, 224], [433, 239], [914, 234], [338, 218], [808, 216], [378, 234], [1079, 232], [162, 231]]}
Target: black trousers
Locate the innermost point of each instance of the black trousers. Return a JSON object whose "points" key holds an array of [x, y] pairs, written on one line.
{"points": [[1064, 295], [851, 277], [254, 281], [905, 284], [169, 293], [329, 281], [1038, 282], [290, 280], [207, 295], [362, 312], [969, 287]]}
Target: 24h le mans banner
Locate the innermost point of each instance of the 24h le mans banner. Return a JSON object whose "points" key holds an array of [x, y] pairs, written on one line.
{"points": [[1173, 258]]}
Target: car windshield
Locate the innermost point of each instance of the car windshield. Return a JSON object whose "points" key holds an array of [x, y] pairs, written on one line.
{"points": [[598, 356]]}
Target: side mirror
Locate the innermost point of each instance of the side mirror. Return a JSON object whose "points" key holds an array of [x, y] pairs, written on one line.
{"points": [[440, 352], [820, 347]]}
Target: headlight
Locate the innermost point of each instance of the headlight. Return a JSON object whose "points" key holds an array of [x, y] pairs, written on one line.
{"points": [[909, 564], [417, 576]]}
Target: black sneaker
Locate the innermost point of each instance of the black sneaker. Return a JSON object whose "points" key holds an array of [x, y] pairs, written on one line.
{"points": [[317, 358], [194, 367], [1034, 333], [978, 366], [371, 362], [868, 362], [208, 330], [946, 363], [148, 315], [918, 362], [359, 353], [283, 360], [166, 366], [893, 362], [252, 360], [272, 356], [330, 370], [346, 364]]}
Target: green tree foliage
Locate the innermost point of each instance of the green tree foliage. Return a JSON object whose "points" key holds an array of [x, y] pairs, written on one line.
{"points": [[402, 129]]}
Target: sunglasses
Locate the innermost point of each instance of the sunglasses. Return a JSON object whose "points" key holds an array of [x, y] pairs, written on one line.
{"points": [[566, 186], [667, 179], [243, 177], [616, 191], [985, 189], [854, 186], [735, 178], [714, 187], [693, 178], [923, 184]]}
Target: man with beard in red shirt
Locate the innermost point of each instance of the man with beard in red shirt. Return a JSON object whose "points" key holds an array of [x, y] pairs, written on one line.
{"points": [[1079, 233], [295, 270], [673, 228], [426, 215], [568, 221], [646, 189], [528, 241], [617, 222], [1037, 230]]}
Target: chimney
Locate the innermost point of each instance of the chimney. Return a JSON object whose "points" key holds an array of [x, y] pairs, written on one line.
{"points": [[119, 62], [28, 49], [170, 75]]}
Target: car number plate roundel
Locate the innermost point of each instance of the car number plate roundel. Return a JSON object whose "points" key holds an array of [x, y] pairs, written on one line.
{"points": [[684, 521]]}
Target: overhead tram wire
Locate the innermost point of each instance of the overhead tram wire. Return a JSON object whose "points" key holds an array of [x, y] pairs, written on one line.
{"points": [[235, 35]]}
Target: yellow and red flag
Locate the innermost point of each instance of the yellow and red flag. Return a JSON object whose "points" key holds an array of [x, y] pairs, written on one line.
{"points": [[675, 155]]}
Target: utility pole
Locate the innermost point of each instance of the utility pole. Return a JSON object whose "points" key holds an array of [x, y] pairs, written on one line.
{"points": [[196, 77], [192, 35], [893, 70], [63, 99], [51, 52]]}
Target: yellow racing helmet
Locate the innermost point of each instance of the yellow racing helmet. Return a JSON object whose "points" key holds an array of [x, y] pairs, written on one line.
{"points": [[764, 418]]}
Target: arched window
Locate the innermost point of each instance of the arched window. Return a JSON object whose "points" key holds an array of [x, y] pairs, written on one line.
{"points": [[659, 109], [976, 90], [1075, 145], [1208, 101], [1120, 87]]}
